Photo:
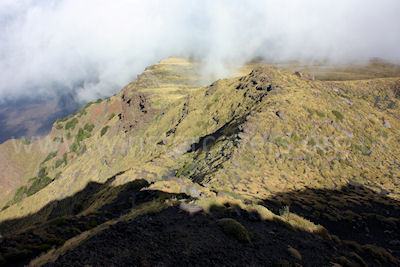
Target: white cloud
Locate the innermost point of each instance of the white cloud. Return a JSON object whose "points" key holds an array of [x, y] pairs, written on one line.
{"points": [[98, 46]]}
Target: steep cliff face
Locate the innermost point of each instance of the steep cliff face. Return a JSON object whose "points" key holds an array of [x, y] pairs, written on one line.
{"points": [[247, 140]]}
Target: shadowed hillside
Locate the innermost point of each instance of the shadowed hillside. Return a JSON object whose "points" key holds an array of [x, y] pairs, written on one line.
{"points": [[135, 225]]}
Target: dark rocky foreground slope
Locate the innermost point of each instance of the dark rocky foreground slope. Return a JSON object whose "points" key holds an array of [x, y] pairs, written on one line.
{"points": [[167, 235]]}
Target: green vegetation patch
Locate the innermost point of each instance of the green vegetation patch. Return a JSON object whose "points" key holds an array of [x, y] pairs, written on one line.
{"points": [[18, 196], [81, 135], [360, 148], [50, 156], [185, 169], [38, 184], [59, 162], [339, 116], [104, 130], [25, 141], [88, 127], [71, 124]]}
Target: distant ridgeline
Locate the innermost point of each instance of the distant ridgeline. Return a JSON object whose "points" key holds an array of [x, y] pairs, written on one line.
{"points": [[33, 117]]}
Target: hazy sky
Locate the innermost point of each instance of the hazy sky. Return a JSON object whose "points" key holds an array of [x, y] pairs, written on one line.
{"points": [[96, 46]]}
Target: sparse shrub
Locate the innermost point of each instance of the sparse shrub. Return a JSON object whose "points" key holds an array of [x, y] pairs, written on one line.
{"points": [[38, 184], [59, 126], [112, 116], [19, 194], [57, 176], [99, 100], [25, 141], [235, 229], [71, 124], [89, 127], [82, 134], [74, 146], [320, 113], [339, 116], [310, 112], [384, 134], [65, 119], [281, 142], [69, 136], [284, 212], [81, 112], [65, 158], [363, 149], [216, 207], [59, 162], [50, 156], [42, 172], [88, 105], [320, 151], [282, 222], [81, 150], [311, 142], [58, 139], [104, 130], [6, 206]]}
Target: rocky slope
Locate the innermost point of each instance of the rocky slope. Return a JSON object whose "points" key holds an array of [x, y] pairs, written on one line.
{"points": [[242, 148]]}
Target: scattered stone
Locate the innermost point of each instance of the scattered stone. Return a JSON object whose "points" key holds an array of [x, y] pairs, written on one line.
{"points": [[104, 161], [162, 143], [385, 122], [348, 134], [280, 115], [193, 191], [298, 74], [254, 81], [190, 208], [267, 88], [348, 102], [216, 119]]}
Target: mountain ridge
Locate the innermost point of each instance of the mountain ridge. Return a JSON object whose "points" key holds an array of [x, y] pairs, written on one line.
{"points": [[240, 140]]}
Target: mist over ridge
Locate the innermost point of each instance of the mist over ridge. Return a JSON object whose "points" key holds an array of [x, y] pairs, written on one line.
{"points": [[96, 47]]}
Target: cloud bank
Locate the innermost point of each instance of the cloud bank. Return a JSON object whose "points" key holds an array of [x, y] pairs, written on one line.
{"points": [[95, 47]]}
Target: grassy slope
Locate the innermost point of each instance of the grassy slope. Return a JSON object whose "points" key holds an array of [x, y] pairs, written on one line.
{"points": [[18, 162], [310, 147]]}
